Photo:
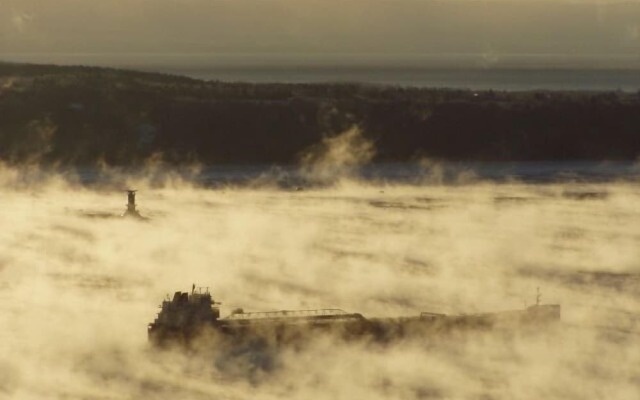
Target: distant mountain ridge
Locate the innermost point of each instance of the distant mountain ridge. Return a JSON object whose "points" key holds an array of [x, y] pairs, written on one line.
{"points": [[85, 115]]}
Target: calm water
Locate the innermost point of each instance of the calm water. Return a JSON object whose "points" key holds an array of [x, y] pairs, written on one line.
{"points": [[477, 79], [399, 173]]}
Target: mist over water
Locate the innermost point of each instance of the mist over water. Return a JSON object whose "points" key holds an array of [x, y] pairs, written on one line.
{"points": [[76, 292]]}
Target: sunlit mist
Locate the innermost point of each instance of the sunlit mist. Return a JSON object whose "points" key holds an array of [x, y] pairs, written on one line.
{"points": [[77, 292]]}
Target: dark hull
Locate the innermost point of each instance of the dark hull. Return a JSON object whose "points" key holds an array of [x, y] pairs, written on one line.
{"points": [[294, 331]]}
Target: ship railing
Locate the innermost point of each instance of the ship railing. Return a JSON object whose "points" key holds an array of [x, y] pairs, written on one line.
{"points": [[287, 314], [426, 314]]}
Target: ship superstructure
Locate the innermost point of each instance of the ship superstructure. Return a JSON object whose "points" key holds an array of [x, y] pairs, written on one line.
{"points": [[184, 316]]}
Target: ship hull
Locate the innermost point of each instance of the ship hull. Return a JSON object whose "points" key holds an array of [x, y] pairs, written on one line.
{"points": [[278, 332]]}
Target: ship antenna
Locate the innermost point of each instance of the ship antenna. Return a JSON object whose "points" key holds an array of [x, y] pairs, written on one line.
{"points": [[538, 296], [193, 288]]}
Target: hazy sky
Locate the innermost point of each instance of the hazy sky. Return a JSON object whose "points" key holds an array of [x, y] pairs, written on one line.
{"points": [[605, 30]]}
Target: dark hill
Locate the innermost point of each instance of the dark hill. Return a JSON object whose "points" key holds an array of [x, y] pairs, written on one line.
{"points": [[80, 115]]}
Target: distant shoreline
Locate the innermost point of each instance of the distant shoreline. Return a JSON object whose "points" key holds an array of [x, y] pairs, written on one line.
{"points": [[493, 77]]}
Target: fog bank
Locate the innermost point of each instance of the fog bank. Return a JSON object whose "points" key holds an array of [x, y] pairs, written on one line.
{"points": [[77, 292]]}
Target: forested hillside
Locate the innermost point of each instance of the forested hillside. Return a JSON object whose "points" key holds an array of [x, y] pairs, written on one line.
{"points": [[82, 115]]}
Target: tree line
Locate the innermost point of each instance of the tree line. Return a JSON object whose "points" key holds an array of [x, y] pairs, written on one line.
{"points": [[84, 115]]}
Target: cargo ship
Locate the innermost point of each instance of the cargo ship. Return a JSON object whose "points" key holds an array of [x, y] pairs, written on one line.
{"points": [[194, 317]]}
